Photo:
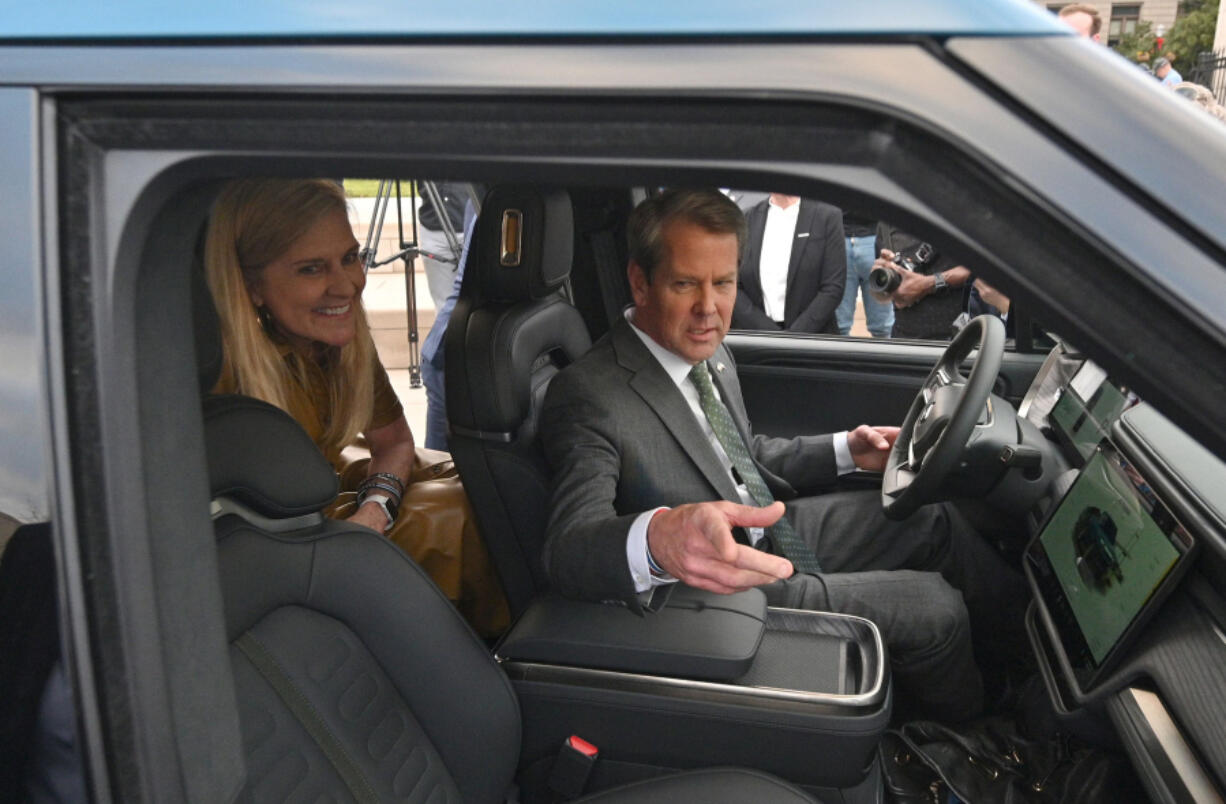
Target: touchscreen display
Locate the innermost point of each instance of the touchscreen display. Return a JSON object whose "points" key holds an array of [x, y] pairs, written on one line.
{"points": [[1049, 383], [1109, 545], [1086, 409]]}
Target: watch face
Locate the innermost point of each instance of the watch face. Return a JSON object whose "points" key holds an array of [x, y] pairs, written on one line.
{"points": [[390, 517], [383, 501]]}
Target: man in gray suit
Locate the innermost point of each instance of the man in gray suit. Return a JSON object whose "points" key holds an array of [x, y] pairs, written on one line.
{"points": [[646, 492]]}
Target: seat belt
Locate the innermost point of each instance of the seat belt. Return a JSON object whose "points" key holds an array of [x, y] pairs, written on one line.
{"points": [[572, 767], [266, 664]]}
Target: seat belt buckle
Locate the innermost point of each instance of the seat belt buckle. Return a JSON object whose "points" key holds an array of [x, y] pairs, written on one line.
{"points": [[572, 767]]}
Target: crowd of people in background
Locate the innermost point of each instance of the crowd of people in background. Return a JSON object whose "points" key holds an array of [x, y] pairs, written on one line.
{"points": [[793, 276], [807, 266], [1088, 23]]}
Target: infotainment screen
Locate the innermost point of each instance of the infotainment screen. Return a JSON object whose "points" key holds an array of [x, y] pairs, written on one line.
{"points": [[1105, 558], [1086, 409]]}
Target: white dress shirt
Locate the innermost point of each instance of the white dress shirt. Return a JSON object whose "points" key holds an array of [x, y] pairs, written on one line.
{"points": [[777, 239], [678, 370]]}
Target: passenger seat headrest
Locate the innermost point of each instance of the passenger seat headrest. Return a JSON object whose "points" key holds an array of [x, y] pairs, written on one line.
{"points": [[259, 456], [524, 242]]}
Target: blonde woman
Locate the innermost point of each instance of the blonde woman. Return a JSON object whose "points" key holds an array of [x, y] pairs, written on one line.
{"points": [[282, 264]]}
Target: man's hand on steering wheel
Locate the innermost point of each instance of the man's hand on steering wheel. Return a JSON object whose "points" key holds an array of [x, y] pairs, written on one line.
{"points": [[870, 446]]}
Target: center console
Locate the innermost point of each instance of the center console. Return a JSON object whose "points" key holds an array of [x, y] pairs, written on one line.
{"points": [[700, 680]]}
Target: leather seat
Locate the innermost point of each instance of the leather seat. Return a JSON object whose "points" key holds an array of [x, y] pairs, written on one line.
{"points": [[332, 620], [512, 330], [356, 679]]}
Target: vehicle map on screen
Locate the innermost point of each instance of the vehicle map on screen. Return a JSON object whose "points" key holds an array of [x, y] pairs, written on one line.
{"points": [[1108, 552]]}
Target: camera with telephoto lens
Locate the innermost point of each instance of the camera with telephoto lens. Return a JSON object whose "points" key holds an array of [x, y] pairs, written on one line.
{"points": [[885, 281]]}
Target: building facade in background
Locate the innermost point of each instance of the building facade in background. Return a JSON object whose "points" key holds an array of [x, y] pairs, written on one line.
{"points": [[1219, 38], [1121, 19]]}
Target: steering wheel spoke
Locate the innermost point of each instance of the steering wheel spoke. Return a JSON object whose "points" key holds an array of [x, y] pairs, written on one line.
{"points": [[896, 482], [942, 418]]}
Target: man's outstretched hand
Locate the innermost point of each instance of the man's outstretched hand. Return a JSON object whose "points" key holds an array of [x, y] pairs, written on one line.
{"points": [[694, 544], [870, 446]]}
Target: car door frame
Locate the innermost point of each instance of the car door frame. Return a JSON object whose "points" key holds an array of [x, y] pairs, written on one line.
{"points": [[131, 130]]}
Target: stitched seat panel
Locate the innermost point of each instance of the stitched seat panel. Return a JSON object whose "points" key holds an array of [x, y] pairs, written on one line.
{"points": [[352, 696]]}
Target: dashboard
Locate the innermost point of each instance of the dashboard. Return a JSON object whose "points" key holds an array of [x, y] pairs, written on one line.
{"points": [[1127, 563]]}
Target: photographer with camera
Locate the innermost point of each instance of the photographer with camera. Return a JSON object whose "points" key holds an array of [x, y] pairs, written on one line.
{"points": [[924, 286]]}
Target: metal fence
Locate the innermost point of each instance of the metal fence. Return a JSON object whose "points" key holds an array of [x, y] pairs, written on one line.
{"points": [[1210, 71]]}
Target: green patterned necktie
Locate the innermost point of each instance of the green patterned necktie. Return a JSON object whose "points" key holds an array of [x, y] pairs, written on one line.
{"points": [[793, 547]]}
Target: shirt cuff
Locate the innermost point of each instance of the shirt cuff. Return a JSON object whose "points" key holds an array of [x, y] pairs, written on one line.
{"points": [[843, 462], [636, 553]]}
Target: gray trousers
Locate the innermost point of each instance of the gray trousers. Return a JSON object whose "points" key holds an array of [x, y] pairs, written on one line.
{"points": [[934, 587], [439, 275]]}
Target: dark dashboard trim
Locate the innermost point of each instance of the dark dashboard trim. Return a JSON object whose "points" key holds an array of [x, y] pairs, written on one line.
{"points": [[1181, 457], [1197, 515]]}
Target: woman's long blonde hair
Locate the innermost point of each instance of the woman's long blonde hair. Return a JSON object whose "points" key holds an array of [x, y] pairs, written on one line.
{"points": [[253, 222]]}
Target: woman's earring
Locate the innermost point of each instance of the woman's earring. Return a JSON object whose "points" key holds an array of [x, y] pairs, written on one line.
{"points": [[265, 318]]}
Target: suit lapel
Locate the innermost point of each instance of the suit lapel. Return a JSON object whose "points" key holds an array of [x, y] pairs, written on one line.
{"points": [[804, 225], [657, 390], [723, 374], [750, 277]]}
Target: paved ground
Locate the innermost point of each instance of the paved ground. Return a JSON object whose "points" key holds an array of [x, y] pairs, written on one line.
{"points": [[385, 306], [386, 300]]}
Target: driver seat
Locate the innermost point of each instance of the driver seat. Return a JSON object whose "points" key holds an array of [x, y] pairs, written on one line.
{"points": [[511, 332]]}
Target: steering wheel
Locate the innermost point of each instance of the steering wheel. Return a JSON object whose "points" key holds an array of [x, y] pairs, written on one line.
{"points": [[941, 418]]}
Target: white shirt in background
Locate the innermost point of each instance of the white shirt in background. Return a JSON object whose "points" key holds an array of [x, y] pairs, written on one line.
{"points": [[777, 240]]}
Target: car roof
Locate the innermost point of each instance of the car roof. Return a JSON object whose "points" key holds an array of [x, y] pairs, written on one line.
{"points": [[60, 20]]}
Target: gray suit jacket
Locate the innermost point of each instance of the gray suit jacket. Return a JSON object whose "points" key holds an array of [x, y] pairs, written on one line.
{"points": [[621, 440]]}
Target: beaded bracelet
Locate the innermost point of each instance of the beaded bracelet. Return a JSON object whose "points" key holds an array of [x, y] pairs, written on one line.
{"points": [[368, 486], [388, 476]]}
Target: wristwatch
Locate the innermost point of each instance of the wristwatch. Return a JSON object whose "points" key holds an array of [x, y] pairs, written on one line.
{"points": [[384, 502], [938, 282]]}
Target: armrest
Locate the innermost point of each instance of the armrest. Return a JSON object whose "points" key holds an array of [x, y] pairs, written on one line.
{"points": [[694, 634]]}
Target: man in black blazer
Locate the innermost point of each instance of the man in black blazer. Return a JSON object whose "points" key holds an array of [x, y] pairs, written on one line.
{"points": [[811, 252], [645, 494]]}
